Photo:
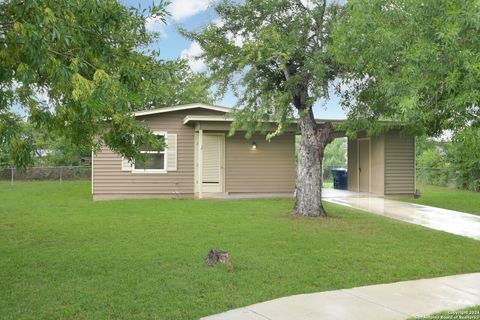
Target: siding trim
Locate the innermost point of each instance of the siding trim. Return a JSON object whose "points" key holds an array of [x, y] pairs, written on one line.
{"points": [[92, 170], [126, 165], [200, 163]]}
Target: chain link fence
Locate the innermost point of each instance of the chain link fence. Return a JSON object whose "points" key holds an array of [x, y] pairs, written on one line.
{"points": [[444, 177], [431, 176], [60, 174]]}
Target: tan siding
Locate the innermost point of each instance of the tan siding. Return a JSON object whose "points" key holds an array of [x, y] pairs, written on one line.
{"points": [[399, 164], [378, 165], [269, 169], [109, 179]]}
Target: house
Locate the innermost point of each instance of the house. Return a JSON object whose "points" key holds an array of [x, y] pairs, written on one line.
{"points": [[201, 160]]}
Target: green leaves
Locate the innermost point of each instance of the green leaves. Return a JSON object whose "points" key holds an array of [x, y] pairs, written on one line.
{"points": [[82, 88], [272, 54], [464, 155], [414, 61], [70, 65]]}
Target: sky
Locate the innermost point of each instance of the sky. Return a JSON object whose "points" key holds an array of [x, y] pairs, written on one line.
{"points": [[192, 15]]}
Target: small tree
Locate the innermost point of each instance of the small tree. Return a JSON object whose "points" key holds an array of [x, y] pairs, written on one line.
{"points": [[273, 53]]}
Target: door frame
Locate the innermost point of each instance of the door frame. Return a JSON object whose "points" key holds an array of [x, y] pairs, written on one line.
{"points": [[369, 139], [199, 187]]}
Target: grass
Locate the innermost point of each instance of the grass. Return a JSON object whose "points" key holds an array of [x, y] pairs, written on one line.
{"points": [[472, 313], [327, 184], [448, 198], [64, 256]]}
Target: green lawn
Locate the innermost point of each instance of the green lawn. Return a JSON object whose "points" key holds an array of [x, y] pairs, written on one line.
{"points": [[64, 256], [472, 313], [454, 199]]}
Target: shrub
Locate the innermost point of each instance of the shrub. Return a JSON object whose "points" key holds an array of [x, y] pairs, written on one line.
{"points": [[464, 155], [433, 168]]}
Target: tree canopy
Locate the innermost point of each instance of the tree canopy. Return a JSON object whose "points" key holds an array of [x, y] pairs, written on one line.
{"points": [[415, 62], [274, 55], [79, 68]]}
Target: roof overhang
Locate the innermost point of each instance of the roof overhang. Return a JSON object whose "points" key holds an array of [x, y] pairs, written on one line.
{"points": [[182, 107], [189, 119], [223, 122], [210, 118]]}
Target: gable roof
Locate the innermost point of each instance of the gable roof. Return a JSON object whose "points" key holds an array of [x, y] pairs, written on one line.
{"points": [[182, 107]]}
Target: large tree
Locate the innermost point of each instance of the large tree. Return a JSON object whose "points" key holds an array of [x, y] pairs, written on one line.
{"points": [[78, 68], [273, 53], [416, 62]]}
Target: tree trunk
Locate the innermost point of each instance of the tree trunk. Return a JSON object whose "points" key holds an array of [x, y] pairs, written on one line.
{"points": [[308, 192]]}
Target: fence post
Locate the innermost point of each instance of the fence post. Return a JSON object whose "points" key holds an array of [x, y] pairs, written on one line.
{"points": [[11, 181], [61, 174]]}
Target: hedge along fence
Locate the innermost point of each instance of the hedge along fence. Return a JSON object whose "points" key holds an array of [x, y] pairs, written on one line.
{"points": [[47, 173], [444, 177]]}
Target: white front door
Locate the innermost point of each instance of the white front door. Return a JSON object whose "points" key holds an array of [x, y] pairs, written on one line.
{"points": [[212, 163]]}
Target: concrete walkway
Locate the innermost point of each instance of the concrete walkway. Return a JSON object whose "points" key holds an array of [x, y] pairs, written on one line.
{"points": [[455, 222], [383, 302]]}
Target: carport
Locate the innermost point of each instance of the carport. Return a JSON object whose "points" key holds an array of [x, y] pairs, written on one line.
{"points": [[381, 165]]}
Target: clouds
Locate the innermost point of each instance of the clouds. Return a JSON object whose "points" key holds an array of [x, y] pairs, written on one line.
{"points": [[192, 55], [179, 10], [182, 9], [236, 39], [308, 3], [155, 24]]}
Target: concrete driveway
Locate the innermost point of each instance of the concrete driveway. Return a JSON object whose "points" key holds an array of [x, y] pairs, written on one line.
{"points": [[393, 301], [455, 222], [416, 298]]}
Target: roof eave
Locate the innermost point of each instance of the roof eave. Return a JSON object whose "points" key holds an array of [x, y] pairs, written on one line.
{"points": [[181, 107]]}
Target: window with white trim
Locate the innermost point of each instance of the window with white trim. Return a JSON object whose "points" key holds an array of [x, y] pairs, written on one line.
{"points": [[152, 160]]}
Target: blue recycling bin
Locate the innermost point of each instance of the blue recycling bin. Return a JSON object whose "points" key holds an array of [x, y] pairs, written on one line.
{"points": [[340, 178]]}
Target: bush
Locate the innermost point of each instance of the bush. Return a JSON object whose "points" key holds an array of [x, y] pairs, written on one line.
{"points": [[464, 155], [432, 167]]}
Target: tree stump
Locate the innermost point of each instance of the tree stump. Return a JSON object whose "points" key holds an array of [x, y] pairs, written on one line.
{"points": [[216, 256]]}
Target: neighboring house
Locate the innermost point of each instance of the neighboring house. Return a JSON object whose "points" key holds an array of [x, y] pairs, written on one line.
{"points": [[201, 160]]}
